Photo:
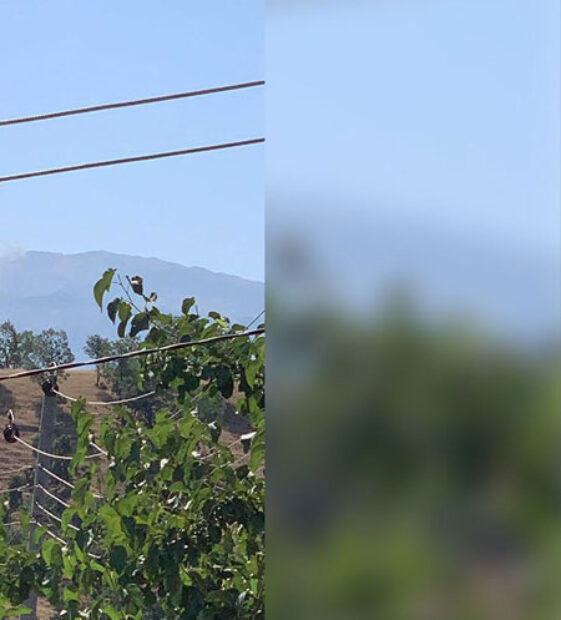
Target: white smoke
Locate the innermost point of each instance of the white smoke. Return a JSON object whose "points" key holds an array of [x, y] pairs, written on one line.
{"points": [[11, 251]]}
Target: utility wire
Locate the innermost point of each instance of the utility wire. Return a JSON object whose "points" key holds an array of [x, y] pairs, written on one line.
{"points": [[54, 456], [130, 354], [55, 477], [62, 480], [110, 403], [53, 496], [53, 516], [235, 442], [129, 160], [231, 464], [239, 460], [63, 542], [22, 488], [12, 472], [133, 102], [99, 448], [256, 318]]}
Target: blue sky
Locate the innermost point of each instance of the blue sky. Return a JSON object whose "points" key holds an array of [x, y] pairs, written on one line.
{"points": [[205, 210], [444, 112]]}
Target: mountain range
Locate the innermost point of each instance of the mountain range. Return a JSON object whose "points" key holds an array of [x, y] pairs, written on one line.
{"points": [[503, 285], [39, 290]]}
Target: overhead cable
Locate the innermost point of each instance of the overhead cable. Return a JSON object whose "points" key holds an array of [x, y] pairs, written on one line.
{"points": [[62, 480], [130, 103], [55, 456], [12, 472], [129, 160], [53, 516], [106, 403], [256, 318], [22, 488], [99, 448], [53, 496], [63, 542], [130, 354], [55, 476]]}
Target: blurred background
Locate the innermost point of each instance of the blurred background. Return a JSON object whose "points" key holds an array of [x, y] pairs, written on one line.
{"points": [[414, 306]]}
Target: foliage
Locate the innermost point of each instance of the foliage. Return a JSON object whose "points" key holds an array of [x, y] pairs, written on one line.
{"points": [[423, 478], [9, 345], [180, 530], [28, 350], [121, 376], [50, 346], [15, 499], [97, 346]]}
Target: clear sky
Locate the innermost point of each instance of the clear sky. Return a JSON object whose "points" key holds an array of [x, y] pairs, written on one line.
{"points": [[441, 111], [205, 210]]}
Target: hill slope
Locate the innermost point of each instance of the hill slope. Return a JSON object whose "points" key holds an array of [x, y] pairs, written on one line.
{"points": [[24, 397], [43, 289]]}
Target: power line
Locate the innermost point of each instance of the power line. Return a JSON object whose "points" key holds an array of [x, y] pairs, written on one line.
{"points": [[53, 516], [109, 403], [62, 480], [256, 318], [99, 448], [235, 442], [63, 542], [127, 104], [130, 354], [239, 460], [12, 472], [22, 488], [53, 496], [54, 456], [232, 464], [55, 477], [129, 160]]}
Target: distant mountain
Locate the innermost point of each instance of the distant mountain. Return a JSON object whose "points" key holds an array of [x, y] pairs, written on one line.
{"points": [[506, 287], [39, 290]]}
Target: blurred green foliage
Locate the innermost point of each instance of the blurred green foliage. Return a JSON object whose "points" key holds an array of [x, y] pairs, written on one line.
{"points": [[414, 471]]}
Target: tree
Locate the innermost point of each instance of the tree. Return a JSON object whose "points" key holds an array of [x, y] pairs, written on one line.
{"points": [[28, 350], [51, 346], [179, 532], [27, 347], [9, 346], [97, 346]]}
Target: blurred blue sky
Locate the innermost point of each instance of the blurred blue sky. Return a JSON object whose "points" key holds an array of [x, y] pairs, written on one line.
{"points": [[202, 210], [440, 112], [417, 143]]}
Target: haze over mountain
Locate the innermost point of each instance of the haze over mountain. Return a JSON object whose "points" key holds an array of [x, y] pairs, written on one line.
{"points": [[39, 290], [509, 287]]}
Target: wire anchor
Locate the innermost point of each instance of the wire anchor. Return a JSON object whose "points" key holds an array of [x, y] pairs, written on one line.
{"points": [[50, 385], [11, 430]]}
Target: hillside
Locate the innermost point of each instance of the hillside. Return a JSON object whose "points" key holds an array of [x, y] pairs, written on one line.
{"points": [[509, 288], [39, 290], [24, 397]]}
